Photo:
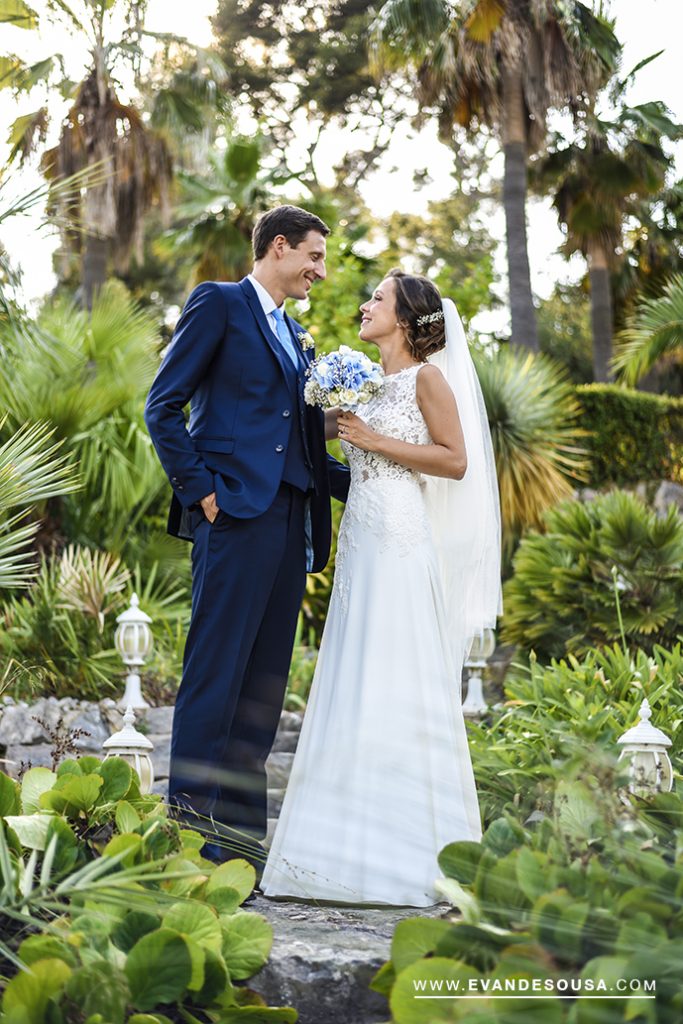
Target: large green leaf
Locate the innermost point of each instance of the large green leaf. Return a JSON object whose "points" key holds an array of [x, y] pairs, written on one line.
{"points": [[414, 997], [135, 925], [29, 993], [32, 829], [10, 796], [117, 775], [158, 968], [247, 941], [414, 939], [99, 988], [196, 921], [237, 874], [18, 14], [35, 782]]}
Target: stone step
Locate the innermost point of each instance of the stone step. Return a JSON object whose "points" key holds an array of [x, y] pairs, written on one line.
{"points": [[324, 957]]}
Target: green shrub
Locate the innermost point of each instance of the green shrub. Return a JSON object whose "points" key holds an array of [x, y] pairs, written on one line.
{"points": [[634, 436], [60, 632], [109, 912], [561, 596], [593, 892], [569, 713]]}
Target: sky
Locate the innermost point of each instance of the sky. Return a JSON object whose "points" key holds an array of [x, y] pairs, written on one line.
{"points": [[644, 26]]}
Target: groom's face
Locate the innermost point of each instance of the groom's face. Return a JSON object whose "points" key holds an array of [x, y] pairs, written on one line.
{"points": [[299, 268]]}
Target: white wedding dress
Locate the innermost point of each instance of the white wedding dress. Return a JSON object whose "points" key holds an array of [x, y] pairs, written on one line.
{"points": [[382, 778]]}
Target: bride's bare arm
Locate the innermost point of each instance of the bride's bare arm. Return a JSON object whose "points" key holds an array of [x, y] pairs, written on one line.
{"points": [[445, 457]]}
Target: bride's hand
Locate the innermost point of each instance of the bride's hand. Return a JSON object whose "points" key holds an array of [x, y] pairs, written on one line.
{"points": [[354, 430]]}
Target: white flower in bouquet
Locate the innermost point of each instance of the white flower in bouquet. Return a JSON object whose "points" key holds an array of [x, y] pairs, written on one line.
{"points": [[343, 379]]}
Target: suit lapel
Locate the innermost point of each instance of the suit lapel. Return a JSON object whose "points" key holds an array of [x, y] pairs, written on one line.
{"points": [[260, 317]]}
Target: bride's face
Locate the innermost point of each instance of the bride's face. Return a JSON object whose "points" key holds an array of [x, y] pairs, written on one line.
{"points": [[379, 313]]}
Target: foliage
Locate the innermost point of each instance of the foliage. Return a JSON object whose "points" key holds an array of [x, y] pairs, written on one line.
{"points": [[561, 596], [652, 333], [533, 415], [333, 316], [632, 436], [591, 893], [32, 468], [217, 210], [564, 330], [111, 913], [86, 375], [60, 633], [449, 244], [557, 717]]}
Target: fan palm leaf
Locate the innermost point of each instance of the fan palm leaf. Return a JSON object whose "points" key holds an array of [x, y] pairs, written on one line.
{"points": [[653, 331]]}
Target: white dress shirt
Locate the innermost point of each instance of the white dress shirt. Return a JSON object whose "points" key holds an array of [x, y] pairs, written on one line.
{"points": [[267, 302]]}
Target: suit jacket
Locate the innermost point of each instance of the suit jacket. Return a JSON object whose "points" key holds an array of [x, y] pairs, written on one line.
{"points": [[226, 361]]}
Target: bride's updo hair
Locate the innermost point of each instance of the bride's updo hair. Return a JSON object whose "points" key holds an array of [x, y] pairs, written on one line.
{"points": [[418, 310]]}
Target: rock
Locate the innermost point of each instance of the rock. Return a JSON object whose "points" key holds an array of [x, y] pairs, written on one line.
{"points": [[157, 720], [161, 755], [87, 717], [39, 754], [285, 742], [291, 721], [668, 493], [275, 798], [324, 957], [18, 726], [278, 767]]}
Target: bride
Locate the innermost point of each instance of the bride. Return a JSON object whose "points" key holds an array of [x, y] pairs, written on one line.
{"points": [[382, 777]]}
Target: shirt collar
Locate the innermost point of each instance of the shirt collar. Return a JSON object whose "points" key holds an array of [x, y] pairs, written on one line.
{"points": [[265, 298]]}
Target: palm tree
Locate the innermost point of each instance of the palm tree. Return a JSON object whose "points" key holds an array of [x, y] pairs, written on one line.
{"points": [[503, 64], [99, 130], [217, 211], [654, 331], [598, 180]]}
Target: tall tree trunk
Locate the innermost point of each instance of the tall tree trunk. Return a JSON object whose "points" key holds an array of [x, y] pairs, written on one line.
{"points": [[522, 312], [601, 311], [94, 267]]}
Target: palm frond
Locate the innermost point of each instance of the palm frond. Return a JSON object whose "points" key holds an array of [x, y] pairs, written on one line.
{"points": [[653, 331]]}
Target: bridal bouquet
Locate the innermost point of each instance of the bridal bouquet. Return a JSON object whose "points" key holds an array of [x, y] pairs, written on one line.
{"points": [[343, 379]]}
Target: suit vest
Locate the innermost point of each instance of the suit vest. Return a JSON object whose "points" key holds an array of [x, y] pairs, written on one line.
{"points": [[298, 465]]}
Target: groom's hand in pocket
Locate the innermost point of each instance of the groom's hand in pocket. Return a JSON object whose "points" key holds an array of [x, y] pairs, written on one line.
{"points": [[209, 506]]}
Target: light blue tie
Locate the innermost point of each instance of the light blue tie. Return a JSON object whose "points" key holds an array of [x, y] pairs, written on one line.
{"points": [[285, 336]]}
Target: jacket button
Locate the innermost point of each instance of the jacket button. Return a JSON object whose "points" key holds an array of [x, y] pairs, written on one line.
{"points": [[286, 413], [279, 448]]}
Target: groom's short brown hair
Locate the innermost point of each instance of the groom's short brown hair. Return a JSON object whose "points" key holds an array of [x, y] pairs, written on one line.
{"points": [[290, 221]]}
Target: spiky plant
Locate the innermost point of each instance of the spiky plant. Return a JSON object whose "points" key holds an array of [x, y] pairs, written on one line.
{"points": [[561, 597], [33, 467], [533, 414], [653, 332], [86, 375]]}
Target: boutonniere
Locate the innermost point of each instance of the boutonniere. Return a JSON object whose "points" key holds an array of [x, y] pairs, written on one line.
{"points": [[306, 340]]}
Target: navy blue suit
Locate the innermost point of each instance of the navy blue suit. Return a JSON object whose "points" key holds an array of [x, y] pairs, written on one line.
{"points": [[252, 440]]}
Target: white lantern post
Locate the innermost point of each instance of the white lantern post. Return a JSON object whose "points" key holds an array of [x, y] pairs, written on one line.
{"points": [[645, 746], [133, 641], [134, 748], [474, 705]]}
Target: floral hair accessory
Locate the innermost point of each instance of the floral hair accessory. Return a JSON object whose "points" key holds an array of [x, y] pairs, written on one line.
{"points": [[306, 340], [430, 318]]}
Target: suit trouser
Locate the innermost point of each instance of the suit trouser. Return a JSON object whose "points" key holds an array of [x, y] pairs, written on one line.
{"points": [[248, 578]]}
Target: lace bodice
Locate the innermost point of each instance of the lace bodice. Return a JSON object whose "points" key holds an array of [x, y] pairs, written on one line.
{"points": [[395, 413], [385, 501]]}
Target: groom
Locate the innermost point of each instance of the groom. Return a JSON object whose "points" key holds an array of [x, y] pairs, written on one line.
{"points": [[251, 486]]}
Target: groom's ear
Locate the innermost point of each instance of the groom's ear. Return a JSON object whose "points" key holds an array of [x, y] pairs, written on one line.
{"points": [[279, 245]]}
